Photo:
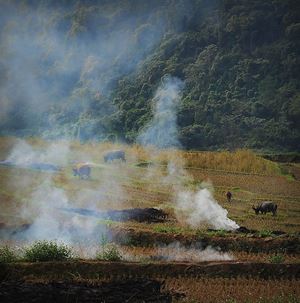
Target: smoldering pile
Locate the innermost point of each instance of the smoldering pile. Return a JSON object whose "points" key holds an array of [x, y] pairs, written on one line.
{"points": [[132, 214]]}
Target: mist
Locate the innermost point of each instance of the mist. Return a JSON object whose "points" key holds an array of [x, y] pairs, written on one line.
{"points": [[57, 153], [60, 63]]}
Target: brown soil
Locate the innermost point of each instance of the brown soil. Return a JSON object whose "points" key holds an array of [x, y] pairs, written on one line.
{"points": [[234, 242], [109, 292], [48, 271]]}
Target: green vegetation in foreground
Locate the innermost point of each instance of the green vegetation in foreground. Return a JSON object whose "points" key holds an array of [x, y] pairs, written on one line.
{"points": [[265, 233], [43, 251], [278, 258], [7, 254]]}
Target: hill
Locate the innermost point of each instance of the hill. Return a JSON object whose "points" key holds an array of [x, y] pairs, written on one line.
{"points": [[90, 70]]}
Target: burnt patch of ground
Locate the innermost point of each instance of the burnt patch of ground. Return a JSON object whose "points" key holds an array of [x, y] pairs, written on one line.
{"points": [[132, 214], [141, 290]]}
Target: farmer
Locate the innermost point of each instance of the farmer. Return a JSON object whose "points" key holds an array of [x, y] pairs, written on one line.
{"points": [[229, 196]]}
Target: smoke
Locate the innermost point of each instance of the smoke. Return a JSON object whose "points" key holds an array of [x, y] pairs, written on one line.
{"points": [[24, 154], [195, 208], [200, 208], [176, 252], [162, 130], [60, 62], [47, 196]]}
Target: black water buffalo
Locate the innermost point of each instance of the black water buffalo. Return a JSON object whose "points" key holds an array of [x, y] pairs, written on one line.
{"points": [[114, 155], [265, 207], [82, 170]]}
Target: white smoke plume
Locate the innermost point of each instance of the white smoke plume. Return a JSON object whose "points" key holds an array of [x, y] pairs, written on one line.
{"points": [[162, 130], [46, 205], [200, 208], [194, 208], [50, 223], [25, 154], [176, 252]]}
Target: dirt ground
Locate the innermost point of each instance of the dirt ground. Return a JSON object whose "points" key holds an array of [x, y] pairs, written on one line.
{"points": [[136, 291]]}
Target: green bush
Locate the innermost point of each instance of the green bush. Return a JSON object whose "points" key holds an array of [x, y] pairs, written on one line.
{"points": [[7, 255], [109, 252], [265, 233], [276, 259], [42, 251]]}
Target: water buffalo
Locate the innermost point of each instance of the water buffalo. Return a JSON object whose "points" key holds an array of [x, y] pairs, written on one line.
{"points": [[265, 207], [114, 155], [82, 170]]}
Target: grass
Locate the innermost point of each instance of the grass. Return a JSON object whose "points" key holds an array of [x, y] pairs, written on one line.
{"points": [[241, 160], [276, 259], [108, 251], [265, 233], [239, 290], [43, 251], [250, 178], [7, 254], [143, 182], [168, 229]]}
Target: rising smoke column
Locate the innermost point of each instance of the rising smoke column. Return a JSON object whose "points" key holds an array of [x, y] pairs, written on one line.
{"points": [[194, 208], [201, 208], [162, 130]]}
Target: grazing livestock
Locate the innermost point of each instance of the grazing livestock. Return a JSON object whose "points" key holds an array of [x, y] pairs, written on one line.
{"points": [[82, 170], [114, 155], [265, 207], [229, 196]]}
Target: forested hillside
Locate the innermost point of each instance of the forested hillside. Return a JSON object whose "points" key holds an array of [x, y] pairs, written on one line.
{"points": [[90, 69]]}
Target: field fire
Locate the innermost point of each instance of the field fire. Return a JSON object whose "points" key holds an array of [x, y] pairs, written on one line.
{"points": [[149, 151], [159, 215]]}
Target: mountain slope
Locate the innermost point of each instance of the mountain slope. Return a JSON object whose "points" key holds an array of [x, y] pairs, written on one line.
{"points": [[90, 69]]}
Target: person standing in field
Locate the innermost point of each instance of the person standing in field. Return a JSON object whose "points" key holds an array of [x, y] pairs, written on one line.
{"points": [[229, 196]]}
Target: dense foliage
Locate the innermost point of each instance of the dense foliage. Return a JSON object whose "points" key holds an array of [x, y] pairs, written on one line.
{"points": [[43, 251], [89, 69]]}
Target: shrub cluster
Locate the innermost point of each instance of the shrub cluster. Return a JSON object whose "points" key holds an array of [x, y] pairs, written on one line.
{"points": [[42, 251], [7, 255]]}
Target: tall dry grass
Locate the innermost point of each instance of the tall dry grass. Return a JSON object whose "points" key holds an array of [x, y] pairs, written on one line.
{"points": [[241, 160]]}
